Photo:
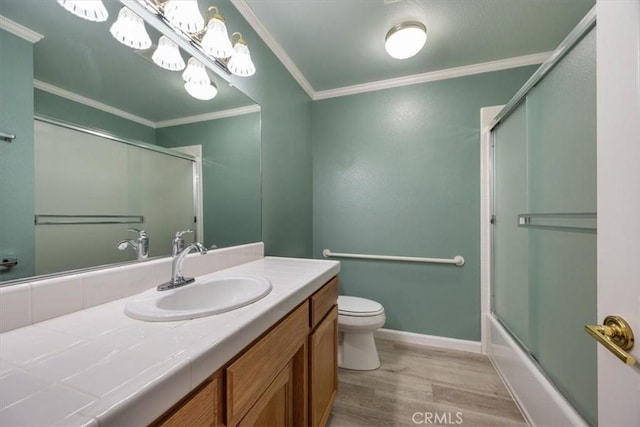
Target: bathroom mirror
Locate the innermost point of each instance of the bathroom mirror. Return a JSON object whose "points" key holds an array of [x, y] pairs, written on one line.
{"points": [[87, 83]]}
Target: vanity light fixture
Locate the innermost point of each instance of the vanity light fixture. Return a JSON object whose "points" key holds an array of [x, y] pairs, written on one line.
{"points": [[129, 30], [215, 41], [197, 82], [91, 10], [167, 55], [184, 14], [405, 40], [195, 73], [240, 63], [212, 39]]}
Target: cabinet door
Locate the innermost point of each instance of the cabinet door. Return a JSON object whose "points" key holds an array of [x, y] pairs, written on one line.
{"points": [[275, 406], [323, 368], [200, 409]]}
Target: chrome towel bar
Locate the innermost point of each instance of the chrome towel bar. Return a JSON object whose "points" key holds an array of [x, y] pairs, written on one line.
{"points": [[87, 219], [457, 260]]}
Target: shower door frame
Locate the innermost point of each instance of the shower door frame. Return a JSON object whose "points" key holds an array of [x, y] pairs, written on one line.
{"points": [[618, 180]]}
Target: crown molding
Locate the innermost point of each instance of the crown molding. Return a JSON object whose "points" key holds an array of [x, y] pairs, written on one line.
{"points": [[209, 116], [449, 73], [257, 25], [20, 30], [55, 90]]}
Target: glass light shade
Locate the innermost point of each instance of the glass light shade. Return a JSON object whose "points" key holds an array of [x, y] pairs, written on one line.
{"points": [[185, 15], [240, 63], [201, 92], [405, 40], [167, 55], [216, 40], [195, 73], [129, 30], [91, 10]]}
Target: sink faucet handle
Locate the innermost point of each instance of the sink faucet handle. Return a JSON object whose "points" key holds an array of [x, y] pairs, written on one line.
{"points": [[141, 233], [180, 233], [178, 242]]}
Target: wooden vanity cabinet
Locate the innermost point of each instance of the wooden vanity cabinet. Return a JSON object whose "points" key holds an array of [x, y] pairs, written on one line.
{"points": [[201, 408], [287, 377], [255, 379], [323, 353]]}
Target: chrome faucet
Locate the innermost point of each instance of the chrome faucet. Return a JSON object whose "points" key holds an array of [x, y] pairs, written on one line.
{"points": [[140, 246], [180, 252]]}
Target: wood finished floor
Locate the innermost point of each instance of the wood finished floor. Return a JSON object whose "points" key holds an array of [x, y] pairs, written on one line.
{"points": [[453, 387]]}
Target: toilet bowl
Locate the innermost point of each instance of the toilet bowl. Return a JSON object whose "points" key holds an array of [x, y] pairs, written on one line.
{"points": [[357, 319]]}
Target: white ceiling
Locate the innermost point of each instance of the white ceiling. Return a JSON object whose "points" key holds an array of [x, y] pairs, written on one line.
{"points": [[329, 44]]}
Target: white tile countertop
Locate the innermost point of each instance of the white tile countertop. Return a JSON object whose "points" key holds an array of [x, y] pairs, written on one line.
{"points": [[98, 367]]}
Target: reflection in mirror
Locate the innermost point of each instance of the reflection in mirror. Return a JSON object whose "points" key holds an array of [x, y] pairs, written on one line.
{"points": [[86, 80]]}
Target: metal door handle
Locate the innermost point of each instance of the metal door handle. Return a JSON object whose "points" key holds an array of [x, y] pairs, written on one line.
{"points": [[616, 335], [7, 263]]}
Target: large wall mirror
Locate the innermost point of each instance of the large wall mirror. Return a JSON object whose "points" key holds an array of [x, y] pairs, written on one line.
{"points": [[119, 144]]}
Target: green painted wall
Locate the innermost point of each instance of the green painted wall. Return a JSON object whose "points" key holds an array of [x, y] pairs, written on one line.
{"points": [[16, 158], [286, 145], [397, 172], [231, 175], [60, 108]]}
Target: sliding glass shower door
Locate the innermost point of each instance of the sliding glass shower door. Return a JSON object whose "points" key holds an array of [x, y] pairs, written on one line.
{"points": [[544, 254]]}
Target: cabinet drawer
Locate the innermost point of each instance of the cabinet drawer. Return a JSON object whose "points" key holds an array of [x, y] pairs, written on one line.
{"points": [[323, 300], [250, 375]]}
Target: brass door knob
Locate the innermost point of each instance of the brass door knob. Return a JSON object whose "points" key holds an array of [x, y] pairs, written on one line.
{"points": [[616, 335]]}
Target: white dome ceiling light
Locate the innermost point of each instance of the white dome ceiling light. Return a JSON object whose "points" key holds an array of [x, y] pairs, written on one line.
{"points": [[405, 40]]}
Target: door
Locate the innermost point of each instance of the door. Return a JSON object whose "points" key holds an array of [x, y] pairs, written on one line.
{"points": [[275, 406], [323, 368], [618, 94]]}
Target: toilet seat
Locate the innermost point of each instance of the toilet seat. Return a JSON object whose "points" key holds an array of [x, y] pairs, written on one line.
{"points": [[358, 307]]}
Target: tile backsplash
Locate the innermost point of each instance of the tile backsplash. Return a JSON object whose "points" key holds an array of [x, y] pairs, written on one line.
{"points": [[27, 303]]}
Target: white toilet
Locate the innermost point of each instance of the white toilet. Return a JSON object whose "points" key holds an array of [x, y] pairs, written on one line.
{"points": [[357, 319]]}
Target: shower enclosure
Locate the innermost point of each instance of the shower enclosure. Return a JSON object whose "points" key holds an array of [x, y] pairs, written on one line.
{"points": [[544, 238]]}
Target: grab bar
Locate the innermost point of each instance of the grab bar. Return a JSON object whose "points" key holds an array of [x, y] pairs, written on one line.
{"points": [[457, 260], [7, 136]]}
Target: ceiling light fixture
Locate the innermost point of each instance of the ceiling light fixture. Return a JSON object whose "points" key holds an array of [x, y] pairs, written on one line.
{"points": [[240, 63], [91, 10], [129, 30], [167, 55], [405, 40]]}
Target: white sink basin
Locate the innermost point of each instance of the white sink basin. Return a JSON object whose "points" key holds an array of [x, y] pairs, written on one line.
{"points": [[206, 296]]}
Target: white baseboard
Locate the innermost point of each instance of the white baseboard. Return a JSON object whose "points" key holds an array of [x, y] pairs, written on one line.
{"points": [[430, 340], [538, 400]]}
